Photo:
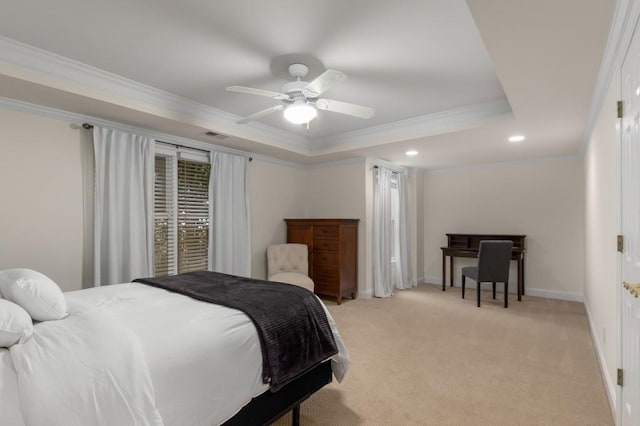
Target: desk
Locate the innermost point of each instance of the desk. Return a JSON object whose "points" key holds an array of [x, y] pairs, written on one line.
{"points": [[467, 245]]}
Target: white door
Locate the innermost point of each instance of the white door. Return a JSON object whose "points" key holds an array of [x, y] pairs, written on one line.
{"points": [[629, 407]]}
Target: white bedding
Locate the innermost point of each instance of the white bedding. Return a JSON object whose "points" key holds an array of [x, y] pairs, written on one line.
{"points": [[9, 398], [204, 360], [86, 370]]}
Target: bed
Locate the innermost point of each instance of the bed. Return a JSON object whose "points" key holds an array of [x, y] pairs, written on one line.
{"points": [[151, 355]]}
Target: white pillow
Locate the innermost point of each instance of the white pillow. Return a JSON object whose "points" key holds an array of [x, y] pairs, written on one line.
{"points": [[15, 324], [35, 292]]}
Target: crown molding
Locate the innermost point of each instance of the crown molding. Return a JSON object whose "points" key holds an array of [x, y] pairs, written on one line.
{"points": [[625, 17], [464, 169], [414, 128], [338, 163], [76, 121], [21, 61], [28, 63], [279, 162]]}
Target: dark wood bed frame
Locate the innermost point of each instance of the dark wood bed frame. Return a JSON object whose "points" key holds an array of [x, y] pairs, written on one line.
{"points": [[268, 407]]}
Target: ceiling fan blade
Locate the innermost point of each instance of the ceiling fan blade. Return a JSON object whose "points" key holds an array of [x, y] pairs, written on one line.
{"points": [[259, 92], [260, 114], [323, 82], [345, 108]]}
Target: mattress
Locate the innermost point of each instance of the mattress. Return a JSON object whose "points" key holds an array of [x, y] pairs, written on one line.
{"points": [[204, 360]]}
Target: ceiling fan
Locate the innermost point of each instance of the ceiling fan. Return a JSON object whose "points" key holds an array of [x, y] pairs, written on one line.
{"points": [[300, 99]]}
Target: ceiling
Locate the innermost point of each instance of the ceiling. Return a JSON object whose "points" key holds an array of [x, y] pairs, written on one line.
{"points": [[451, 79]]}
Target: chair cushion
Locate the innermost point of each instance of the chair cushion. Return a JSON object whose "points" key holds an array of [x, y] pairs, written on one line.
{"points": [[294, 278], [471, 272], [289, 257]]}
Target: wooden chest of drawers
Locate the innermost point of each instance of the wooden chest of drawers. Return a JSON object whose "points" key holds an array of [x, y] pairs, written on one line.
{"points": [[333, 253]]}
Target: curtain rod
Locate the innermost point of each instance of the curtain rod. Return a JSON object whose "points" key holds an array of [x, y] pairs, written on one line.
{"points": [[392, 171], [88, 126]]}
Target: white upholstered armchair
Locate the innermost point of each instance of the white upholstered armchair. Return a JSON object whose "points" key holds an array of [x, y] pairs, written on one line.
{"points": [[288, 263]]}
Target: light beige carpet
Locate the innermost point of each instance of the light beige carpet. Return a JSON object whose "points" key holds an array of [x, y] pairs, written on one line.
{"points": [[427, 357]]}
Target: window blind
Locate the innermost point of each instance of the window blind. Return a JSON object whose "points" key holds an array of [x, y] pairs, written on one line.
{"points": [[193, 216], [181, 217]]}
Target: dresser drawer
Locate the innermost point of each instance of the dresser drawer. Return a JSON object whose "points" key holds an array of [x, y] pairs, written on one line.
{"points": [[333, 253], [324, 272], [326, 285], [325, 245], [325, 231], [325, 258]]}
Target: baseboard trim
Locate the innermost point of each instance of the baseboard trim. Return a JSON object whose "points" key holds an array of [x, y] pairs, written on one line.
{"points": [[365, 294], [432, 280], [537, 292], [555, 294], [604, 373]]}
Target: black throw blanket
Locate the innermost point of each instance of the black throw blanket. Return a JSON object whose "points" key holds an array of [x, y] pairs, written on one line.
{"points": [[293, 328]]}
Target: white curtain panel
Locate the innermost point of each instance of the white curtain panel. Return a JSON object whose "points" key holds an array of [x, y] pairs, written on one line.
{"points": [[382, 233], [229, 243], [406, 280], [123, 213]]}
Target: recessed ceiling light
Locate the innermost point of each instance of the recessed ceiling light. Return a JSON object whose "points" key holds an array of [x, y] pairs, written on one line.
{"points": [[412, 153], [516, 138]]}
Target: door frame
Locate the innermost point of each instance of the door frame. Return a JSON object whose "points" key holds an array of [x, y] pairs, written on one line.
{"points": [[633, 18]]}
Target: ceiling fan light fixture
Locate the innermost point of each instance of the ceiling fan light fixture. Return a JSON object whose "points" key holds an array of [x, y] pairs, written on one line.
{"points": [[300, 99], [300, 112]]}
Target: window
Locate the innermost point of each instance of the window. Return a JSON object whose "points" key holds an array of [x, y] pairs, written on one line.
{"points": [[396, 273], [181, 212]]}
